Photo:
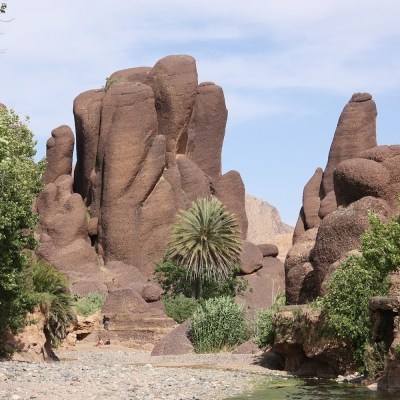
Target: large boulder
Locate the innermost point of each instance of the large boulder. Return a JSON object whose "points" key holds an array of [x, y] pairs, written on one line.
{"points": [[59, 149], [340, 232], [355, 133], [230, 190], [268, 250], [300, 226], [251, 258], [207, 129], [328, 205], [175, 343]]}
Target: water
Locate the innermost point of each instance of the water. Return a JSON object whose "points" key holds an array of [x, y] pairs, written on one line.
{"points": [[295, 389]]}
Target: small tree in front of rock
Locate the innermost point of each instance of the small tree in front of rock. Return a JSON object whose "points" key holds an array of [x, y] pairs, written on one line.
{"points": [[205, 241]]}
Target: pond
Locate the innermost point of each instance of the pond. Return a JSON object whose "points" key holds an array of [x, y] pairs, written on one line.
{"points": [[312, 389]]}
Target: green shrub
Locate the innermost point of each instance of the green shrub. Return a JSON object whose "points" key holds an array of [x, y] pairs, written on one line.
{"points": [[89, 304], [175, 280], [180, 308], [359, 278], [262, 326], [218, 324], [397, 350], [375, 358]]}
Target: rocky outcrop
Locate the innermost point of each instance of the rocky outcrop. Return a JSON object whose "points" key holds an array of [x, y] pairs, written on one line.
{"points": [[306, 351], [355, 133], [311, 200]]}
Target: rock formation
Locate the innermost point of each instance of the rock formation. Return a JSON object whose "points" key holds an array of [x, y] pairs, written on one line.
{"points": [[355, 170], [148, 145]]}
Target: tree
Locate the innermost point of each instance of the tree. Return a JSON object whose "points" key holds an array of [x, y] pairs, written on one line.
{"points": [[206, 241], [20, 183]]}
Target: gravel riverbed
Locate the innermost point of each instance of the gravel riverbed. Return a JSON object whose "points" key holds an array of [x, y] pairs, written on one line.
{"points": [[120, 373]]}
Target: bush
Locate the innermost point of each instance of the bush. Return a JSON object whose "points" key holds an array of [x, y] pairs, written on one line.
{"points": [[89, 304], [262, 324], [54, 298], [218, 324], [180, 308], [175, 280]]}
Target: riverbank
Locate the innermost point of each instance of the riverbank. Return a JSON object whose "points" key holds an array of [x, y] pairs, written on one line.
{"points": [[115, 372]]}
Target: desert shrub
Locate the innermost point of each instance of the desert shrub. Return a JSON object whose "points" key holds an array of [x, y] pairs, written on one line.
{"points": [[262, 326], [375, 358], [175, 280], [218, 324], [109, 82], [359, 278], [89, 304], [54, 298], [180, 308]]}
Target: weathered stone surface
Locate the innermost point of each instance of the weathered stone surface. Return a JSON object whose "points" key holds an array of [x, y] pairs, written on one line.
{"points": [[340, 232], [299, 274], [207, 129], [305, 350], [328, 205], [174, 82], [124, 301], [251, 258], [137, 74], [311, 199], [151, 292], [300, 227], [87, 112], [176, 342], [264, 285], [357, 178], [194, 183], [268, 250], [230, 190], [59, 149], [355, 133], [246, 348], [2, 105]]}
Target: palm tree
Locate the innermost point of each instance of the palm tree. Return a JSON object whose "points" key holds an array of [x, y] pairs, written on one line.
{"points": [[54, 298], [206, 240]]}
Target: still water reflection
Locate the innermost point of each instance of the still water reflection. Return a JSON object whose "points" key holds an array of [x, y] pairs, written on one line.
{"points": [[314, 390]]}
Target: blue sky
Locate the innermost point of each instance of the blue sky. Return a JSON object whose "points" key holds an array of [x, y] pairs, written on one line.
{"points": [[287, 69]]}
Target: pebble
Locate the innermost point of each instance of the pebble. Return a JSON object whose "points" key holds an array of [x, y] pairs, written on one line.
{"points": [[121, 375]]}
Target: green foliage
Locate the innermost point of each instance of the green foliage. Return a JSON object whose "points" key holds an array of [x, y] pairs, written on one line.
{"points": [[90, 304], [358, 279], [176, 280], [397, 350], [20, 183], [218, 324], [109, 82], [206, 241], [3, 8], [375, 358], [54, 298], [262, 326], [180, 308]]}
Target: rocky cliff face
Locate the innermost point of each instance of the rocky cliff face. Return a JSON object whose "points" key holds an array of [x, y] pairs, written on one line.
{"points": [[148, 145], [266, 226]]}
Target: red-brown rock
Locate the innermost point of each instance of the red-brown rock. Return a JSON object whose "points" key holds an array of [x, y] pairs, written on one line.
{"points": [[174, 82], [87, 112], [328, 205], [311, 199], [355, 133], [230, 190], [357, 178], [137, 74], [207, 129], [59, 149], [300, 227], [251, 258], [268, 250]]}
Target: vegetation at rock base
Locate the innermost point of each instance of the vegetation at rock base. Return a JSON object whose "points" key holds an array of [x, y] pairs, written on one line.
{"points": [[205, 240], [52, 293], [180, 308], [359, 278], [20, 183], [218, 324], [262, 325], [89, 304]]}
